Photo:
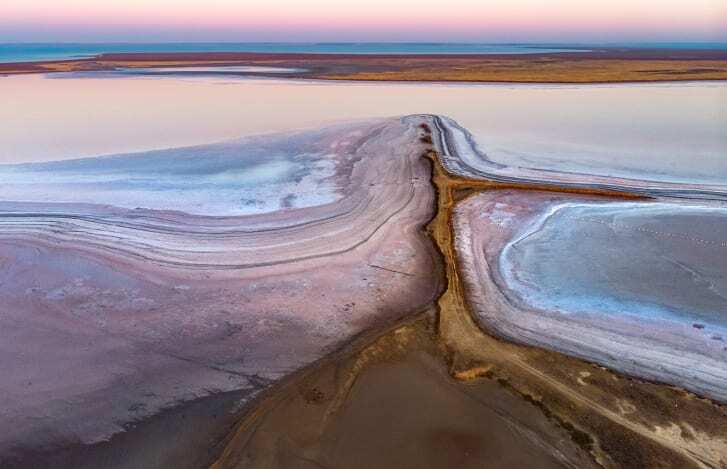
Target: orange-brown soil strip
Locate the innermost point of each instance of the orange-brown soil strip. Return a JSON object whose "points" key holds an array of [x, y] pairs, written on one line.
{"points": [[599, 66], [620, 422]]}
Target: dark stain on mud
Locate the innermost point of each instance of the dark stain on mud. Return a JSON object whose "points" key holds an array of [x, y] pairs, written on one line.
{"points": [[188, 436], [395, 405]]}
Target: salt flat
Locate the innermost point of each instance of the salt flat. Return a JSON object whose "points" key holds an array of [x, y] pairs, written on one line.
{"points": [[240, 177], [636, 286], [111, 314]]}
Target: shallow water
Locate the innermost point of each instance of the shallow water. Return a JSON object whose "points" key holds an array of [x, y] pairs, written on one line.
{"points": [[660, 260], [240, 177], [54, 51], [672, 132]]}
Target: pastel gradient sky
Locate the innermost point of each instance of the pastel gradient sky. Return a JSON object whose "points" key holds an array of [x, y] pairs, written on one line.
{"points": [[363, 20]]}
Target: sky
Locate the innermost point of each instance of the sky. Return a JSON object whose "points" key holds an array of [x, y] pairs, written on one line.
{"points": [[363, 20]]}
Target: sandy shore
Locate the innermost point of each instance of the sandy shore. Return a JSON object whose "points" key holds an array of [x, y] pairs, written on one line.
{"points": [[597, 66]]}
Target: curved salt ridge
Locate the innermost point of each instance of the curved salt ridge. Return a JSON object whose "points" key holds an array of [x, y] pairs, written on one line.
{"points": [[113, 314], [460, 155], [582, 299], [243, 177], [344, 211]]}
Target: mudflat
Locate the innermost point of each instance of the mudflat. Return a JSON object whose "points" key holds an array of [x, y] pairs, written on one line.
{"points": [[394, 405]]}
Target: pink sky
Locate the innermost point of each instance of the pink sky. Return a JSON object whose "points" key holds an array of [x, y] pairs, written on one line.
{"points": [[359, 20]]}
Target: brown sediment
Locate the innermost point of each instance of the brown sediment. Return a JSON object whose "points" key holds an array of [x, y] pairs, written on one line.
{"points": [[616, 420], [393, 404], [596, 66]]}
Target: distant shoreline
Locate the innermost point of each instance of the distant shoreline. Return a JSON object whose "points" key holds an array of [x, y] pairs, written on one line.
{"points": [[37, 52], [605, 65]]}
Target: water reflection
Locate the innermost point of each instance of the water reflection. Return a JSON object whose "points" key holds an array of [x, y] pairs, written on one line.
{"points": [[656, 131]]}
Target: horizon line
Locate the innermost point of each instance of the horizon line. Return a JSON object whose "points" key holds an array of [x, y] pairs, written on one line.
{"points": [[502, 43]]}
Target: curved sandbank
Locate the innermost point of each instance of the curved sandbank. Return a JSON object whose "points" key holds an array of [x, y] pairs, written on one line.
{"points": [[462, 156], [111, 314], [637, 286]]}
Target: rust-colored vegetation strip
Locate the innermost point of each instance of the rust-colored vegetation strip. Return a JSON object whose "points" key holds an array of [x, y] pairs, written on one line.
{"points": [[550, 71], [598, 66]]}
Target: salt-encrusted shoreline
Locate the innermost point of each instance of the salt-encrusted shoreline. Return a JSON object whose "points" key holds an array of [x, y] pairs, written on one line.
{"points": [[665, 349], [461, 156]]}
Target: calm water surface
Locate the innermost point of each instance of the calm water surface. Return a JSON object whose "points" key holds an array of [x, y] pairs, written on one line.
{"points": [[672, 132], [63, 51]]}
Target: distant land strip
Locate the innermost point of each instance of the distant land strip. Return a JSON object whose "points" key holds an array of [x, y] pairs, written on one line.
{"points": [[608, 65]]}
